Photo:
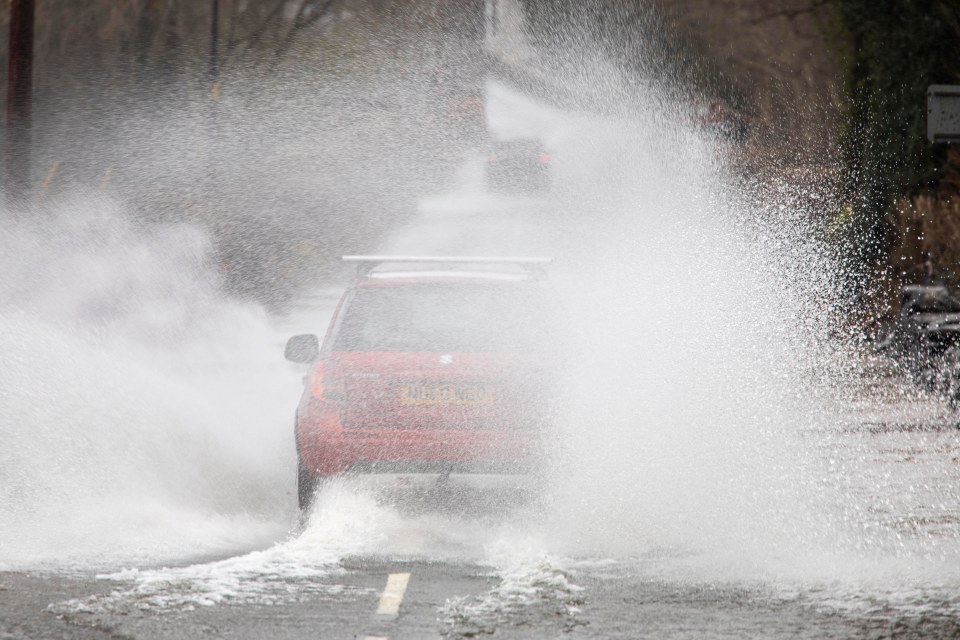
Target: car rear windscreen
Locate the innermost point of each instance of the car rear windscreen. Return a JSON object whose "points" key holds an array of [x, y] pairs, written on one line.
{"points": [[447, 317]]}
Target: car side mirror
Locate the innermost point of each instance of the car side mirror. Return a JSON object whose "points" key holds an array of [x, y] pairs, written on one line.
{"points": [[304, 348]]}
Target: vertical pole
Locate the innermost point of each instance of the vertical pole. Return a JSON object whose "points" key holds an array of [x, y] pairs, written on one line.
{"points": [[214, 79], [215, 50], [213, 147], [19, 101]]}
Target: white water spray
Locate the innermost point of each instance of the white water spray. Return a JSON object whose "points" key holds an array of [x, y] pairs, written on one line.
{"points": [[143, 410]]}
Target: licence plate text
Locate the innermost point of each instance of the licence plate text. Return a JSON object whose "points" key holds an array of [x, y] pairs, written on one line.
{"points": [[446, 394]]}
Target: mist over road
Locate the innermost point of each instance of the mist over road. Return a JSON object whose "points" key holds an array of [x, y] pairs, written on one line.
{"points": [[728, 473]]}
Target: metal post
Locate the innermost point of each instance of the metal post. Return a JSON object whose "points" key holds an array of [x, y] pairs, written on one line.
{"points": [[19, 101], [212, 117], [215, 50]]}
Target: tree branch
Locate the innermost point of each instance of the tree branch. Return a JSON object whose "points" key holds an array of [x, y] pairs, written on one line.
{"points": [[792, 13]]}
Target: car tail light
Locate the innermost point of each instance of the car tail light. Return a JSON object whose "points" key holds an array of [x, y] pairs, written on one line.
{"points": [[325, 384]]}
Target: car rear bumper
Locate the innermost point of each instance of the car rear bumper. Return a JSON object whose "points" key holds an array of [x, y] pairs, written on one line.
{"points": [[327, 449], [413, 453], [458, 492]]}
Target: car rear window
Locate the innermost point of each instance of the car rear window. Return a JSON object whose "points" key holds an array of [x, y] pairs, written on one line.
{"points": [[446, 317]]}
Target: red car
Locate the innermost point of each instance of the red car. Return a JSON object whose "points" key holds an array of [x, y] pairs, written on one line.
{"points": [[434, 371]]}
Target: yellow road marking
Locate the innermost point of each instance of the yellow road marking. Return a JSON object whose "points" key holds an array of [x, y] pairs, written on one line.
{"points": [[393, 594]]}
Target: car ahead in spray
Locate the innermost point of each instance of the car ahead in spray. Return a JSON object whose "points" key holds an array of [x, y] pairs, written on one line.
{"points": [[925, 338], [517, 166], [434, 373]]}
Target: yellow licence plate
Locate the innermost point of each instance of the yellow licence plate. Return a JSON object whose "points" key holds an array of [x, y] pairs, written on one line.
{"points": [[446, 394]]}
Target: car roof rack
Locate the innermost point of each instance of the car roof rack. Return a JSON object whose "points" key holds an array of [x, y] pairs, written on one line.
{"points": [[366, 264]]}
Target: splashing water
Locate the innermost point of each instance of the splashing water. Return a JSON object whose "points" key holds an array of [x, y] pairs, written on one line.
{"points": [[706, 434], [142, 407]]}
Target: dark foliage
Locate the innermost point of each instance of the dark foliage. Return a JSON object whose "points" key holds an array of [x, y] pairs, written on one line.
{"points": [[897, 48]]}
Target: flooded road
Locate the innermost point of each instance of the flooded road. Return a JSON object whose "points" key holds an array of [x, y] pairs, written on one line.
{"points": [[724, 472]]}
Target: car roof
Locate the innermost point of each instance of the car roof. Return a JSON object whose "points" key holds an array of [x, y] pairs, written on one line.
{"points": [[374, 271]]}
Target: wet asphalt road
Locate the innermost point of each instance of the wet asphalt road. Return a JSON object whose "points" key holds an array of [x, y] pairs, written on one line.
{"points": [[440, 601]]}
